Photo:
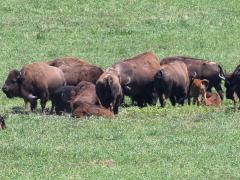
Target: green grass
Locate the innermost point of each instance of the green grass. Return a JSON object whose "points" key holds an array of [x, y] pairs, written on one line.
{"points": [[186, 142]]}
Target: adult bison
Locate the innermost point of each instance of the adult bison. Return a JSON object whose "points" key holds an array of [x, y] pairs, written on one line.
{"points": [[232, 84], [202, 69], [76, 70], [109, 90], [132, 77], [34, 81], [172, 81]]}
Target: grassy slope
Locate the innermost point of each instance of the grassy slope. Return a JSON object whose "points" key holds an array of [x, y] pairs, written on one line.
{"points": [[182, 142]]}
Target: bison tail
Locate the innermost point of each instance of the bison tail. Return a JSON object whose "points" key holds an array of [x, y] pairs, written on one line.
{"points": [[221, 73]]}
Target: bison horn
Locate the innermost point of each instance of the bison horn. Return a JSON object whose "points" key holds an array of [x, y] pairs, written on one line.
{"points": [[222, 77]]}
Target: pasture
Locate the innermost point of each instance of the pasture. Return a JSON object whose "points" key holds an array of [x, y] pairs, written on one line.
{"points": [[186, 142]]}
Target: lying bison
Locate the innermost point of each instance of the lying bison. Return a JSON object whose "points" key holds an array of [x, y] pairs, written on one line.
{"points": [[135, 76], [232, 84], [34, 81], [84, 92], [203, 69], [66, 98], [172, 81], [76, 70], [87, 109], [212, 99]]}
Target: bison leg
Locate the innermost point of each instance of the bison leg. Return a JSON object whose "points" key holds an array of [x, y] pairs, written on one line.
{"points": [[52, 107], [44, 100], [173, 100], [189, 100], [33, 105], [219, 90], [162, 100]]}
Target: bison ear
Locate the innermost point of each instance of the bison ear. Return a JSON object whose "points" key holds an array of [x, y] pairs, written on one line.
{"points": [[205, 82]]}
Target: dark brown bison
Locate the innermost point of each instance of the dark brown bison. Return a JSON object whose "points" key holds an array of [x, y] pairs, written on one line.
{"points": [[212, 99], [34, 81], [197, 91], [135, 76], [202, 69], [232, 84], [85, 92], [109, 90], [172, 81], [87, 109], [62, 97], [76, 70]]}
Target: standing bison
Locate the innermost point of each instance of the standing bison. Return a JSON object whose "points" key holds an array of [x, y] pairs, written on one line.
{"points": [[132, 77], [34, 81], [232, 84], [203, 69], [76, 70], [172, 81]]}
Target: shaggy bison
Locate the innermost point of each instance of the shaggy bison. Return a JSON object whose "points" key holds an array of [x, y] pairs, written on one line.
{"points": [[85, 92], [232, 84], [34, 81], [76, 70], [203, 69], [172, 81], [109, 90], [135, 76], [198, 88]]}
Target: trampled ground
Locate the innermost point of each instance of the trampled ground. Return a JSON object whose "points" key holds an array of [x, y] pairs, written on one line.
{"points": [[186, 142]]}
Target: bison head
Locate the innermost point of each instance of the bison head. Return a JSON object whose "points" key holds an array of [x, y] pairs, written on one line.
{"points": [[12, 84]]}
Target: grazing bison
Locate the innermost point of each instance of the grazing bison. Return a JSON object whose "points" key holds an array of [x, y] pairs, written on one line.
{"points": [[87, 109], [85, 92], [232, 84], [76, 70], [34, 81], [209, 70], [109, 90], [172, 81], [212, 99], [132, 77], [197, 88]]}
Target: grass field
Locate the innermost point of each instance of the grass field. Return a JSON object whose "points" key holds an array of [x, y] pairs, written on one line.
{"points": [[186, 142]]}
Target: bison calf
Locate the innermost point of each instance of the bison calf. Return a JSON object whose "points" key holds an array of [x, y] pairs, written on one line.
{"points": [[212, 99], [198, 89]]}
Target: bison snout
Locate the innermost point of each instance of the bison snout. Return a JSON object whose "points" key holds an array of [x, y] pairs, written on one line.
{"points": [[5, 89]]}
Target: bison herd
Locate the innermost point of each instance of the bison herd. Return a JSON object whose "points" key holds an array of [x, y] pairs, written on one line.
{"points": [[75, 86]]}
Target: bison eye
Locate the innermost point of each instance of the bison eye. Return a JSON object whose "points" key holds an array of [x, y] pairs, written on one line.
{"points": [[13, 81]]}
